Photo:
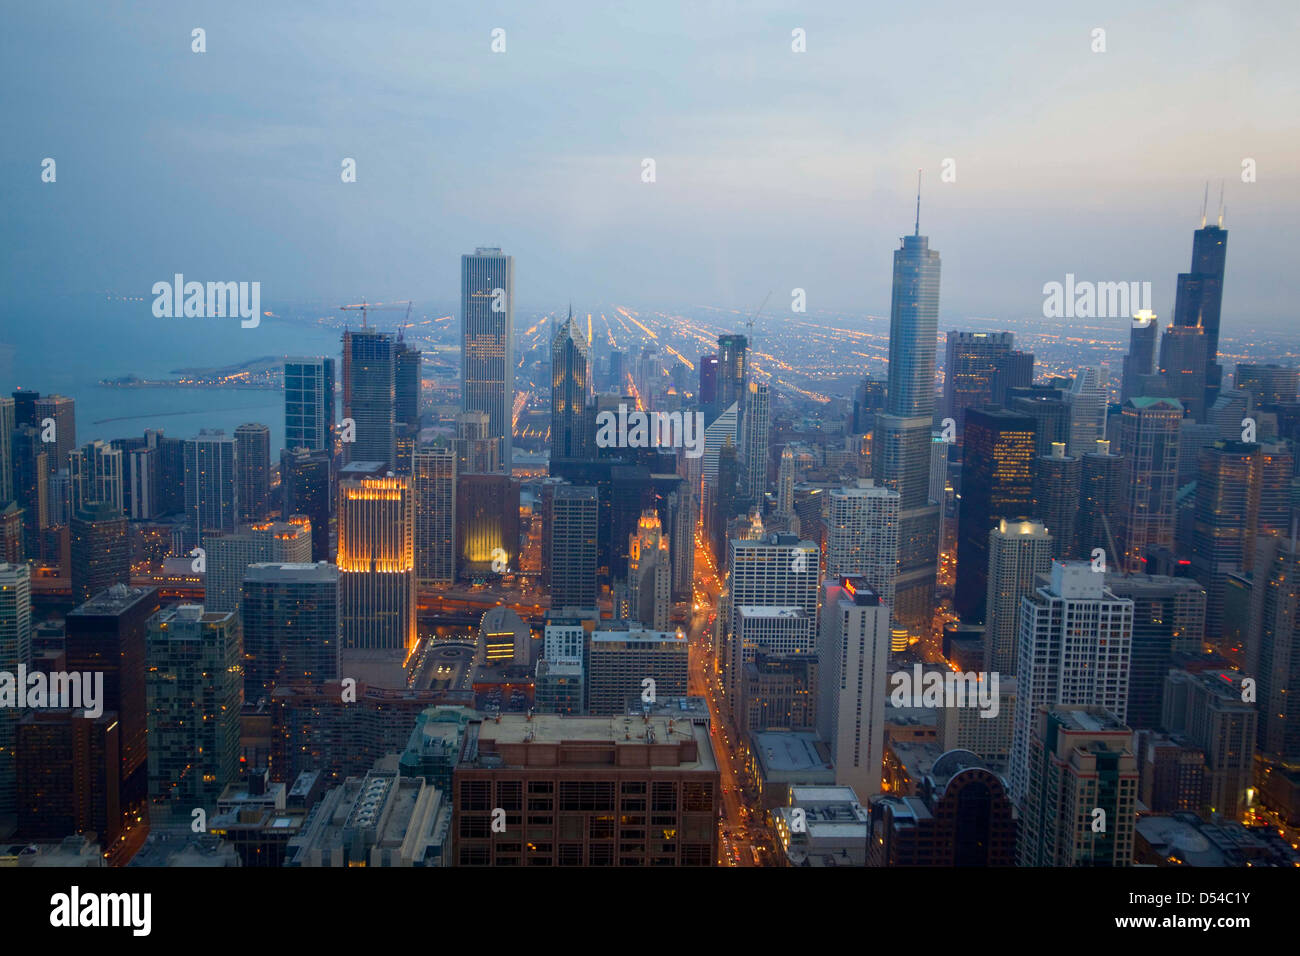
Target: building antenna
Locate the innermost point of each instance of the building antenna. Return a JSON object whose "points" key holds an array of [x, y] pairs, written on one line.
{"points": [[1220, 203], [1205, 202], [918, 202]]}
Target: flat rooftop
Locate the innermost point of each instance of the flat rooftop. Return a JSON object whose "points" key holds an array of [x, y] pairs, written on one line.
{"points": [[517, 729]]}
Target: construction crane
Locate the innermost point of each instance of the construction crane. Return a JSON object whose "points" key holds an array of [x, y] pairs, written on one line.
{"points": [[749, 325], [366, 307]]}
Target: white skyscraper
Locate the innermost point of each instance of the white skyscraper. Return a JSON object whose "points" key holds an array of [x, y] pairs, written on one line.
{"points": [[1087, 398], [756, 429], [1076, 640], [1019, 551], [862, 536], [775, 571], [785, 483], [853, 654]]}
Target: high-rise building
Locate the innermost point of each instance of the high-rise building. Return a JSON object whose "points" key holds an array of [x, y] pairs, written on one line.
{"points": [[1056, 497], [1273, 656], [100, 550], [6, 450], [1140, 362], [1076, 639], [1080, 761], [370, 396], [68, 777], [1168, 619], [649, 573], [586, 774], [572, 556], [13, 550], [1047, 406], [229, 555], [194, 687], [211, 485], [756, 436], [406, 404], [94, 475], [1207, 710], [108, 634], [1266, 384], [31, 485], [1183, 363], [61, 411], [487, 525], [621, 658], [309, 403], [862, 536], [1149, 446], [253, 453], [1101, 495], [971, 371], [376, 560], [487, 321], [901, 440], [434, 489], [1199, 298], [143, 473], [1019, 551], [853, 651], [733, 371], [708, 393], [1088, 401], [570, 386], [291, 626], [785, 483], [15, 652], [307, 488], [477, 453], [997, 482], [1242, 491]]}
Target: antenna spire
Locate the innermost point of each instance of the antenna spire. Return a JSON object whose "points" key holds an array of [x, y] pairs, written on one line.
{"points": [[1205, 202], [1220, 203], [918, 203]]}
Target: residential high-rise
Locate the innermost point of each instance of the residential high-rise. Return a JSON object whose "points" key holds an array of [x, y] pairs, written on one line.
{"points": [[570, 386], [1076, 639], [376, 559], [370, 396], [1149, 446], [997, 482], [108, 634], [901, 440], [309, 403], [1101, 495], [1080, 760], [971, 370], [94, 475], [1019, 551], [290, 618], [253, 453], [862, 536], [1242, 491], [141, 485], [1056, 497], [853, 651], [61, 412], [100, 550], [194, 687], [406, 404], [306, 483], [31, 485], [434, 489], [487, 322], [572, 556], [756, 436], [229, 555], [15, 652], [649, 573], [1168, 619], [211, 484]]}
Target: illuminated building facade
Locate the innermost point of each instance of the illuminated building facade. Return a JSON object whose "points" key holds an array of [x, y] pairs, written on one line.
{"points": [[376, 559]]}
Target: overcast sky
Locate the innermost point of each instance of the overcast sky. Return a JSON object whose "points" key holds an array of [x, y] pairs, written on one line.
{"points": [[774, 169]]}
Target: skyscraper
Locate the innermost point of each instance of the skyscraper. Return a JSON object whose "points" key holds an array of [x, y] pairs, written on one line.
{"points": [[487, 525], [6, 450], [862, 536], [370, 396], [708, 393], [785, 483], [229, 555], [194, 687], [291, 626], [649, 573], [434, 489], [1273, 655], [309, 403], [253, 453], [1056, 497], [971, 371], [60, 410], [1140, 361], [1183, 363], [406, 404], [853, 649], [376, 559], [1168, 618], [756, 435], [570, 385], [1199, 299], [15, 652], [733, 370], [211, 486], [487, 322], [997, 482], [95, 475], [572, 551], [1075, 644], [1149, 446], [1019, 551], [1101, 495], [100, 550], [901, 450], [1088, 402], [307, 489]]}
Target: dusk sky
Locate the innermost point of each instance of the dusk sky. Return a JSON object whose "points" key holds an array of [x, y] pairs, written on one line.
{"points": [[774, 169]]}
